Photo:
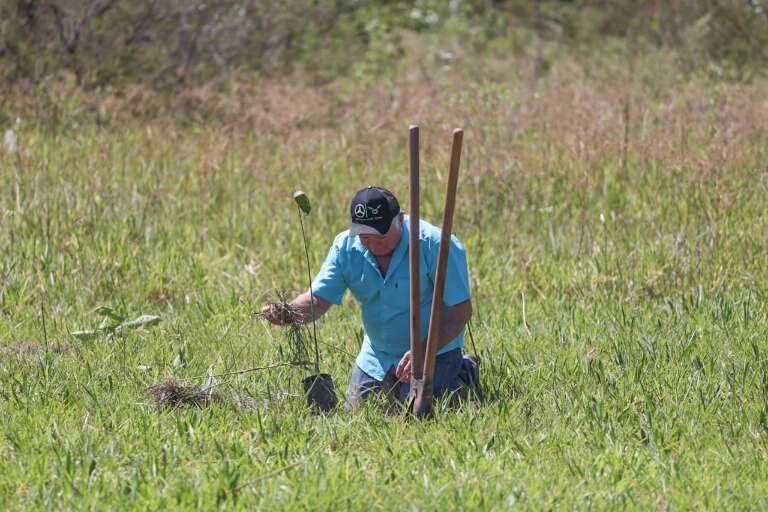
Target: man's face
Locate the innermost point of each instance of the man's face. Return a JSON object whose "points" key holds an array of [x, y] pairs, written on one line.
{"points": [[384, 245]]}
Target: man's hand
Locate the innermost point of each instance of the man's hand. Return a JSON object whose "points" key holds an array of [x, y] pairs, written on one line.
{"points": [[453, 321], [403, 371], [276, 314], [298, 311]]}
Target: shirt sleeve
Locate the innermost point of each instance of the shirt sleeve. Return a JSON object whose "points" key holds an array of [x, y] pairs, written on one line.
{"points": [[457, 278], [329, 284]]}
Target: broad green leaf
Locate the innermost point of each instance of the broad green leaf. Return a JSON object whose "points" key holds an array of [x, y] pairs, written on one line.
{"points": [[303, 201], [141, 321]]}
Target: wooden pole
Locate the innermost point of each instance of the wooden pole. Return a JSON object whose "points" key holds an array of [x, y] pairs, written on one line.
{"points": [[417, 347], [442, 260], [421, 398]]}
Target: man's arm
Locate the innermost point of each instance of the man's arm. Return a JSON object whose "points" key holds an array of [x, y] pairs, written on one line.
{"points": [[303, 306], [453, 320], [329, 283]]}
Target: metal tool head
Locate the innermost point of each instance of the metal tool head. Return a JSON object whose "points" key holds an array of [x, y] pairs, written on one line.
{"points": [[421, 401]]}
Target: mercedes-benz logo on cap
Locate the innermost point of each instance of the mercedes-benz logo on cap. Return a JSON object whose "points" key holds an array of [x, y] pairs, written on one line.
{"points": [[360, 210]]}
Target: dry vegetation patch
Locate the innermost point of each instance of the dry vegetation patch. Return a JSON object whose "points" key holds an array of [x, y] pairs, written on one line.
{"points": [[173, 394], [21, 349], [176, 394]]}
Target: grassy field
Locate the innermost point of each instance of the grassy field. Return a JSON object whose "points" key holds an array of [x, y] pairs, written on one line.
{"points": [[616, 229]]}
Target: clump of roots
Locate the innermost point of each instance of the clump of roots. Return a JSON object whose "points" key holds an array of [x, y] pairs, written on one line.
{"points": [[171, 394], [296, 334], [286, 312]]}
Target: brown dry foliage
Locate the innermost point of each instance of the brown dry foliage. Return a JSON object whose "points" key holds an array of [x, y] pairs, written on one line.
{"points": [[25, 348], [577, 110], [172, 394], [521, 127]]}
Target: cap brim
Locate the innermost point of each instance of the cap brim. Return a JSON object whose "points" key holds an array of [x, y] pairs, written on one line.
{"points": [[362, 229]]}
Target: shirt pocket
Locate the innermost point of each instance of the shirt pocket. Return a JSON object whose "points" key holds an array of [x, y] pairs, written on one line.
{"points": [[395, 293], [365, 288], [399, 292]]}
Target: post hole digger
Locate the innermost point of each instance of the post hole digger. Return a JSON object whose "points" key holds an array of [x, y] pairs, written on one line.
{"points": [[421, 397]]}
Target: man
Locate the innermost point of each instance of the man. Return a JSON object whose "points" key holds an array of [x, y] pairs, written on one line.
{"points": [[371, 260]]}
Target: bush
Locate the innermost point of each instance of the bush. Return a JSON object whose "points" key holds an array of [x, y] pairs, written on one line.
{"points": [[170, 43]]}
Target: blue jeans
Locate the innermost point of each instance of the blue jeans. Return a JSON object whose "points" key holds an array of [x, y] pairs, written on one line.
{"points": [[452, 371]]}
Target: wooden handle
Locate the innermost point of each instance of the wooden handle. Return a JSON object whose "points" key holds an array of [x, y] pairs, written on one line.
{"points": [[417, 348], [442, 259]]}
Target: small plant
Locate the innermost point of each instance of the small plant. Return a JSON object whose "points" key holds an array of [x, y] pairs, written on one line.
{"points": [[114, 323], [304, 206], [296, 332], [318, 387]]}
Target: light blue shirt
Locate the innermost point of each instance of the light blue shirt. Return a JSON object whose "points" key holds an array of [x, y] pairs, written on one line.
{"points": [[384, 300]]}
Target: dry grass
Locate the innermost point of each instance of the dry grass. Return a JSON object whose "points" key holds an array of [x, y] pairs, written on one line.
{"points": [[22, 349], [650, 111], [172, 394]]}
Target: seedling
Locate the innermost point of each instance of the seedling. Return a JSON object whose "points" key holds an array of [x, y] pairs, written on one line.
{"points": [[302, 202], [113, 323], [318, 387]]}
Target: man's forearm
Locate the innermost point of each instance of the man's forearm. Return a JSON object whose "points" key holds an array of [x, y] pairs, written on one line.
{"points": [[305, 307], [454, 319]]}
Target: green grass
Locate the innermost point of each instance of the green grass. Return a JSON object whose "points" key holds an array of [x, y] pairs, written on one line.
{"points": [[637, 378]]}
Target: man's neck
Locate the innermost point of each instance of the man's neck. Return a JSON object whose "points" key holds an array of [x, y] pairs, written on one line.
{"points": [[383, 262]]}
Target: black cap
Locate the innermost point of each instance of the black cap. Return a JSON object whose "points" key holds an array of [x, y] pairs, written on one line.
{"points": [[372, 211]]}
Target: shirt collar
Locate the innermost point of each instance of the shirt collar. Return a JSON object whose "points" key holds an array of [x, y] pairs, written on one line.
{"points": [[397, 256], [400, 250]]}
